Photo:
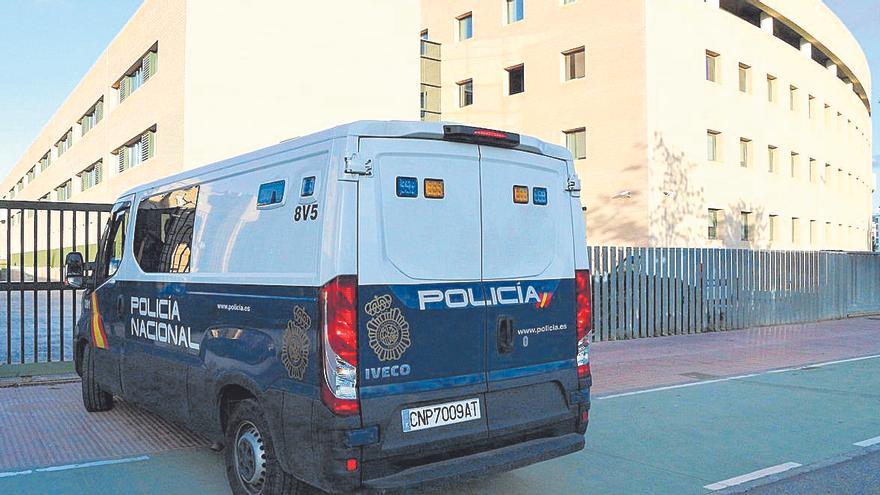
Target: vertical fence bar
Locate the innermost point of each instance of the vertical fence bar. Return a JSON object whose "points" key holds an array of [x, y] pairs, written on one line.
{"points": [[35, 293], [61, 293], [8, 288], [21, 337], [48, 280]]}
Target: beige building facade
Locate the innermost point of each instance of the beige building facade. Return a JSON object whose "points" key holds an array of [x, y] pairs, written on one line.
{"points": [[185, 83], [716, 123]]}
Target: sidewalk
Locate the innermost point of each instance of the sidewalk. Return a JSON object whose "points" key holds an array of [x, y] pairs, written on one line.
{"points": [[625, 365]]}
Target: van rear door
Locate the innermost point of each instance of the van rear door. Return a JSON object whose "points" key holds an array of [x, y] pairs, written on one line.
{"points": [[416, 254], [529, 269]]}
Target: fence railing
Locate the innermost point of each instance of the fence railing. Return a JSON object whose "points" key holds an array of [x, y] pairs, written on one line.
{"points": [[37, 311], [648, 292]]}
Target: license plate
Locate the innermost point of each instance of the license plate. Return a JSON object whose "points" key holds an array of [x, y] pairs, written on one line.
{"points": [[420, 418]]}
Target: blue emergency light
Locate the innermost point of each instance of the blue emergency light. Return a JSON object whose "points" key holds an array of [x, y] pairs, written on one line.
{"points": [[539, 196], [407, 187]]}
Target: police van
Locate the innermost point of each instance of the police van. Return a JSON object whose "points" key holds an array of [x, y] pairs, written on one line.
{"points": [[372, 307]]}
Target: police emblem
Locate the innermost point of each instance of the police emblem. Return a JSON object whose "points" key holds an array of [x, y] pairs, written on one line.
{"points": [[387, 330], [295, 349]]}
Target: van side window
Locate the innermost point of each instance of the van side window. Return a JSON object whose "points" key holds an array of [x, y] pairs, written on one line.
{"points": [[271, 193], [163, 231], [112, 245]]}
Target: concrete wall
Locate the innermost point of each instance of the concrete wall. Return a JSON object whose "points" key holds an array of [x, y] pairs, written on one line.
{"points": [[261, 72], [683, 105], [609, 101], [230, 80], [158, 102]]}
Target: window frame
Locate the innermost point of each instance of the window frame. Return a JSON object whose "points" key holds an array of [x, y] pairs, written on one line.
{"points": [[463, 93], [569, 64], [469, 17], [137, 217], [102, 265], [575, 133], [519, 68], [713, 66]]}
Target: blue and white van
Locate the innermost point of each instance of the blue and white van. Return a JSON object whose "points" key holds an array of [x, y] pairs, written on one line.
{"points": [[369, 308]]}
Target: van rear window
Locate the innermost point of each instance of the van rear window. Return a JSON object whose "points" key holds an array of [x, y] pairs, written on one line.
{"points": [[164, 230]]}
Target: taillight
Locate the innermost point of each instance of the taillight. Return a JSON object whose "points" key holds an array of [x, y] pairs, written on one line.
{"points": [[582, 294], [339, 313]]}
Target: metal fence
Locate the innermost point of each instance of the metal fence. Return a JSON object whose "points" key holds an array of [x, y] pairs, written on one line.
{"points": [[649, 292], [37, 311]]}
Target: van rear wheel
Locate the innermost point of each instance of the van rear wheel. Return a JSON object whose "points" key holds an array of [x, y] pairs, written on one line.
{"points": [[251, 465], [94, 397]]}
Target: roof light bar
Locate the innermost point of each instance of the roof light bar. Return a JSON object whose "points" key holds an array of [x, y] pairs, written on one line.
{"points": [[477, 135]]}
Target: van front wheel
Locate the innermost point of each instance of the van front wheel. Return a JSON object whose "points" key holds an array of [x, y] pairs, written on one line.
{"points": [[94, 397], [251, 465]]}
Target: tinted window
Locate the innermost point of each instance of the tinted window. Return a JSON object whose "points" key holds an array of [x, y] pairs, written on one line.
{"points": [[164, 230], [112, 244], [271, 193]]}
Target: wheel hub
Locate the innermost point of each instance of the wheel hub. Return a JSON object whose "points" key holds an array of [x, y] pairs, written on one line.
{"points": [[250, 457]]}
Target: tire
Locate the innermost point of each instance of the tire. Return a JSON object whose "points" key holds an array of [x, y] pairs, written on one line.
{"points": [[94, 398], [251, 465]]}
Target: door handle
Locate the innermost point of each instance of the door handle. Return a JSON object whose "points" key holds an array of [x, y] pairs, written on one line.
{"points": [[504, 335], [119, 306]]}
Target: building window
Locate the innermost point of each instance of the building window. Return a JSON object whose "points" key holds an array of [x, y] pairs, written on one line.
{"points": [[771, 88], [466, 93], [814, 171], [772, 154], [827, 115], [19, 185], [465, 27], [45, 161], [713, 223], [813, 232], [792, 98], [795, 230], [514, 10], [827, 174], [516, 79], [774, 226], [576, 142], [574, 61], [568, 2], [840, 179], [92, 117], [745, 152], [138, 74], [136, 151], [64, 143], [828, 233], [712, 66], [745, 78], [746, 219], [32, 174], [62, 192], [811, 106], [164, 230], [91, 176], [795, 162], [713, 140]]}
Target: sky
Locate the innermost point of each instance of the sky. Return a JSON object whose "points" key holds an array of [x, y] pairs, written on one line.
{"points": [[64, 38]]}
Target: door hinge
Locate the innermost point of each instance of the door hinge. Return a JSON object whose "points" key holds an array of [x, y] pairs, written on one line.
{"points": [[356, 165], [573, 184]]}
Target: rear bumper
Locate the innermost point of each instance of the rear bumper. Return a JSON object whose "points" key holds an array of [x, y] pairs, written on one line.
{"points": [[482, 463]]}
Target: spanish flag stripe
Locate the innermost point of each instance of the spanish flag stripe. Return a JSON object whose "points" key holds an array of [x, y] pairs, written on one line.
{"points": [[99, 338]]}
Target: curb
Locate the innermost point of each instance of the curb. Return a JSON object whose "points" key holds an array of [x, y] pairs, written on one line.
{"points": [[32, 381]]}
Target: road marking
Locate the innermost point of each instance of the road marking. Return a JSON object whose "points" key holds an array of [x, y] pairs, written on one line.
{"points": [[868, 442], [779, 468], [65, 467], [15, 473], [737, 377]]}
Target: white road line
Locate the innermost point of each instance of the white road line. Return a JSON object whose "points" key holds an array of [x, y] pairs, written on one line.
{"points": [[52, 469], [737, 377], [868, 442], [779, 468], [15, 473]]}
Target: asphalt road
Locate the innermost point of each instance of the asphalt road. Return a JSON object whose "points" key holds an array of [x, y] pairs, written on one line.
{"points": [[670, 440], [854, 475]]}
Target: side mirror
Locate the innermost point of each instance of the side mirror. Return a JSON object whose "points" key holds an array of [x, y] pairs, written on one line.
{"points": [[74, 270]]}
